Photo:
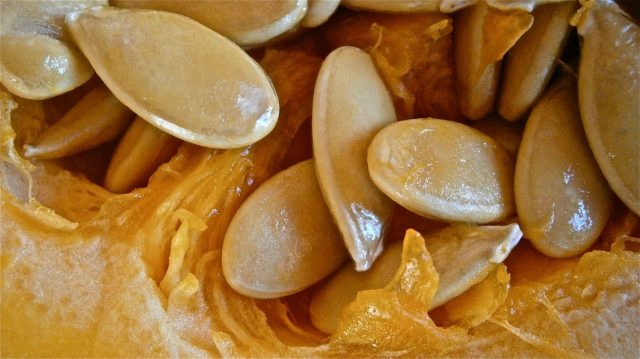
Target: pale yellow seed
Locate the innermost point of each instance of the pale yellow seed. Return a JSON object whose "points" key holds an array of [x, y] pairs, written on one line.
{"points": [[319, 12], [178, 75], [247, 23], [609, 93], [350, 105], [97, 118], [37, 57], [563, 201], [530, 64], [481, 37], [282, 239], [443, 170], [141, 150]]}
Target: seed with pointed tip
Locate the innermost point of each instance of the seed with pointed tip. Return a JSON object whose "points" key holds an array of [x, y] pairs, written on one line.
{"points": [[282, 239], [141, 150], [530, 63], [97, 118], [178, 75], [350, 105]]}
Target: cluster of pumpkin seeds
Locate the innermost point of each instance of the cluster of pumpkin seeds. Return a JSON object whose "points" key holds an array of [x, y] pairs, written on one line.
{"points": [[176, 71]]}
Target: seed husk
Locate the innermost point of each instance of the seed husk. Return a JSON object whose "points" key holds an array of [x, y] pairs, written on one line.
{"points": [[443, 170], [350, 105], [247, 23], [482, 35], [197, 86], [141, 150], [319, 12], [37, 56], [563, 201], [531, 62], [282, 239], [97, 118], [462, 255], [609, 89]]}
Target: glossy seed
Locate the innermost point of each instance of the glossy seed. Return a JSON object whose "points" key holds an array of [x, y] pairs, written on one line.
{"points": [[282, 239], [530, 63], [563, 201], [462, 255], [443, 170], [141, 150], [350, 105], [97, 118], [178, 75], [37, 57], [247, 23], [482, 36], [319, 12], [609, 93]]}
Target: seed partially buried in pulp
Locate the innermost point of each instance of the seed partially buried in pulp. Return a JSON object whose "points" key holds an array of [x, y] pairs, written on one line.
{"points": [[350, 105], [178, 75], [530, 63], [282, 239], [443, 170], [609, 95], [141, 150], [97, 118], [38, 59], [462, 255], [481, 37], [563, 201], [247, 23]]}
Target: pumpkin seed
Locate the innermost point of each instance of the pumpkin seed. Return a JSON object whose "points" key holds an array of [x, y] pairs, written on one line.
{"points": [[178, 75], [443, 170], [350, 105], [608, 89], [282, 239], [247, 23], [319, 12], [530, 63], [37, 57], [563, 201], [141, 150], [482, 35], [97, 118]]}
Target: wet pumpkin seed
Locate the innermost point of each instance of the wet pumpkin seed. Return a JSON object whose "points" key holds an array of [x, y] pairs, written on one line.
{"points": [[530, 63], [197, 86], [443, 170], [247, 23], [609, 89], [97, 118], [141, 150], [282, 239], [350, 105], [37, 58], [562, 199]]}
